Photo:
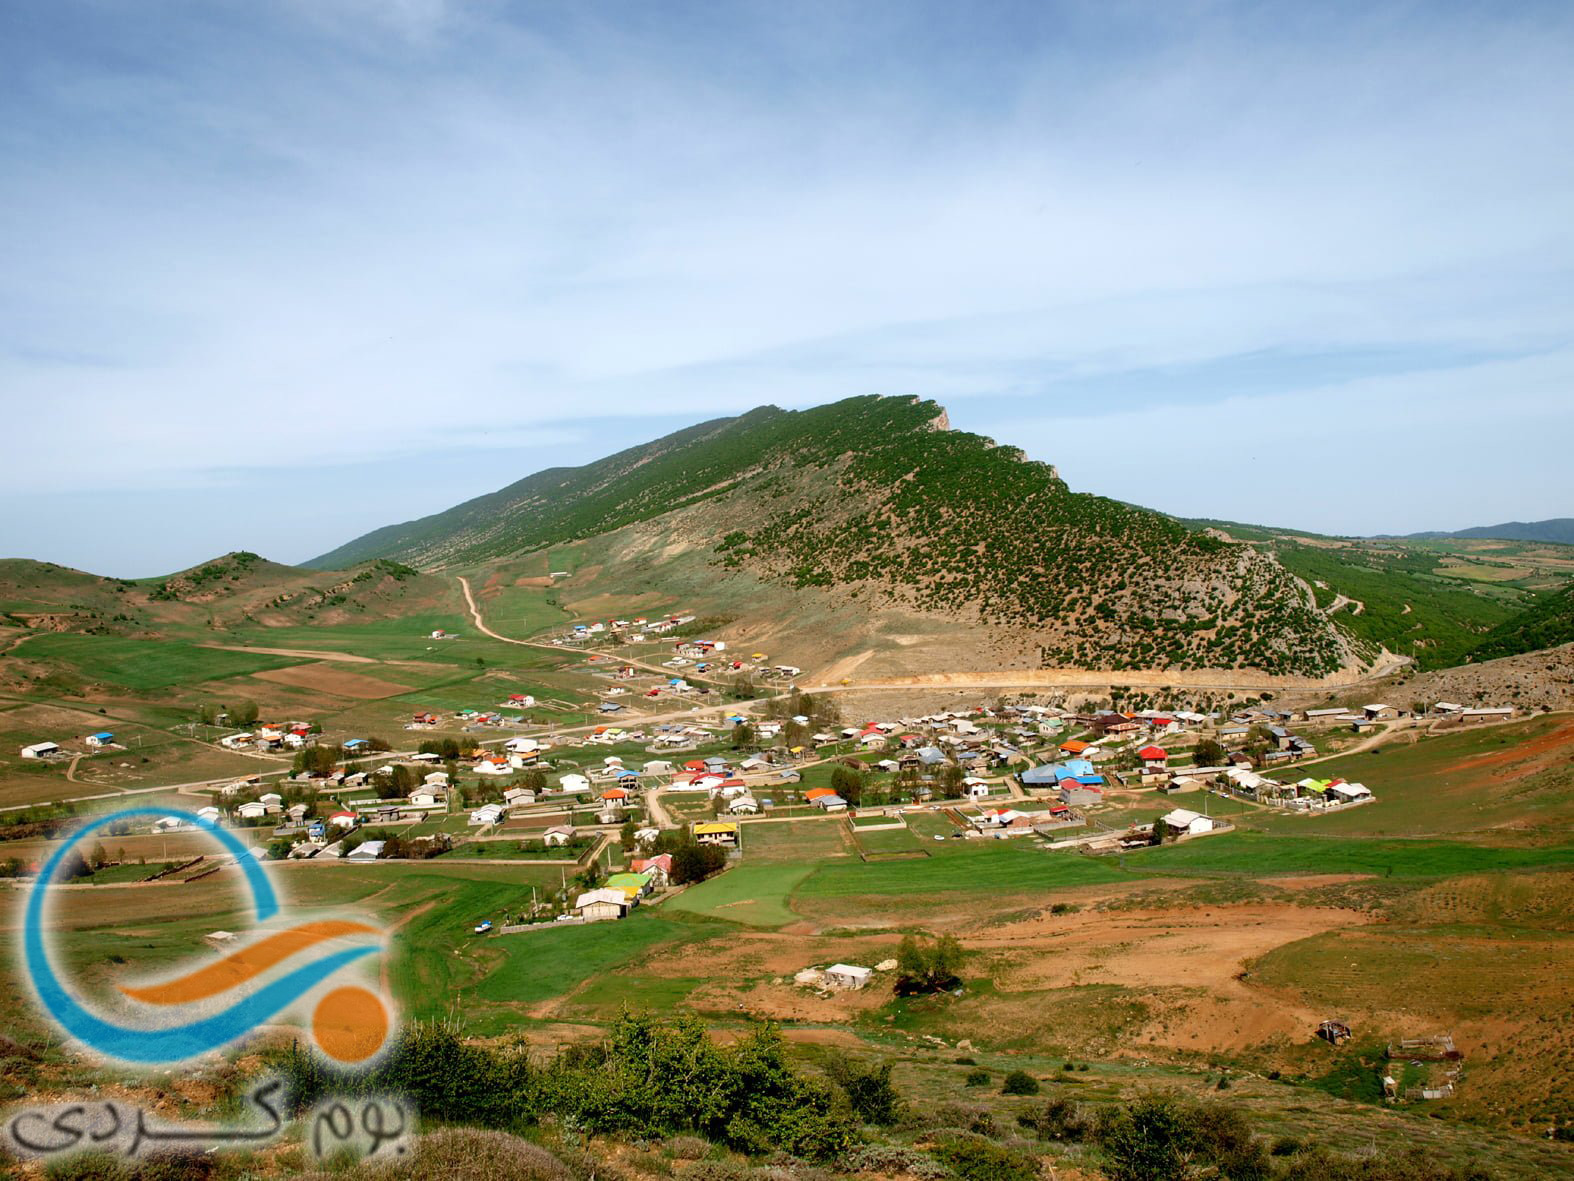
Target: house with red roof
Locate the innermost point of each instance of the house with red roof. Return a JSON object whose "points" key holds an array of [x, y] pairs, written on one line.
{"points": [[1154, 758]]}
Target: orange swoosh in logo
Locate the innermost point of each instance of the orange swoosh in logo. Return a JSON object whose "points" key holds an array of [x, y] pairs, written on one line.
{"points": [[240, 966]]}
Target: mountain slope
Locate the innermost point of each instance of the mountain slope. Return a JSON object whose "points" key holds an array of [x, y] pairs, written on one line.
{"points": [[876, 502], [1546, 623], [235, 588], [1556, 529]]}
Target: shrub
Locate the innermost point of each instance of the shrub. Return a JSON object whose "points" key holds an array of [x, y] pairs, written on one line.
{"points": [[713, 1170], [470, 1154], [978, 1078], [687, 1147], [891, 1158], [868, 1089], [1019, 1082], [979, 1160], [1059, 1119], [88, 1166], [964, 1116]]}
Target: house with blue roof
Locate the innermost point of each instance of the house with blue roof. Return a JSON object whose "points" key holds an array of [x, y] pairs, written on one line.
{"points": [[102, 738]]}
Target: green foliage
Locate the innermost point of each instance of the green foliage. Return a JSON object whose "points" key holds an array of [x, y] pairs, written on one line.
{"points": [[979, 1160], [977, 1078], [927, 965], [229, 568], [1163, 1138], [319, 760], [1059, 1119], [695, 863], [1019, 1082], [869, 1090], [1407, 608], [1546, 623], [1209, 752]]}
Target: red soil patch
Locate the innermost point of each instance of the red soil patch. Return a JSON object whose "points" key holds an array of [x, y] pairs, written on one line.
{"points": [[1550, 743]]}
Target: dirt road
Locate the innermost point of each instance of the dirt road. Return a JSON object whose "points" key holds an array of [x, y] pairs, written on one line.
{"points": [[1208, 680]]}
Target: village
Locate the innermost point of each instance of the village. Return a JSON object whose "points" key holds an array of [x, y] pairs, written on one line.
{"points": [[631, 810]]}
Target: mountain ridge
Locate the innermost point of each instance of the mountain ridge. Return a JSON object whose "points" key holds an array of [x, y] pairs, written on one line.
{"points": [[1557, 530], [875, 501]]}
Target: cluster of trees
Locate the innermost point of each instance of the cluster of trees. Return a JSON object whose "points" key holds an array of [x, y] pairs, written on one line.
{"points": [[242, 713], [652, 1077], [649, 1077]]}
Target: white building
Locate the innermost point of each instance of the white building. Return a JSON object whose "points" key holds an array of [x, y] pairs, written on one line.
{"points": [[849, 976], [40, 750], [1187, 823], [596, 906]]}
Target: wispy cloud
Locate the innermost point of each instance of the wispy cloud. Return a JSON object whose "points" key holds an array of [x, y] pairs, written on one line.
{"points": [[267, 237]]}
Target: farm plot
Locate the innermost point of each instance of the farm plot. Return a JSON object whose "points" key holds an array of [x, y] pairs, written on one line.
{"points": [[754, 894], [888, 842], [332, 677], [796, 840], [149, 664]]}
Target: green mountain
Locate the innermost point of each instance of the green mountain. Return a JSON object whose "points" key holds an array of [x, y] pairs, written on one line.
{"points": [[1559, 530], [877, 505], [1546, 623]]}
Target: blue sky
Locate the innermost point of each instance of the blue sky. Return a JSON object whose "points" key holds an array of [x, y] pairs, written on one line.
{"points": [[279, 273]]}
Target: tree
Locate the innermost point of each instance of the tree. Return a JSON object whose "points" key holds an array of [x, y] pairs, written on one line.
{"points": [[848, 784], [1161, 832], [626, 835], [868, 1089], [318, 760], [279, 848], [927, 966], [243, 714], [444, 748], [695, 863], [950, 781], [742, 736], [1209, 753]]}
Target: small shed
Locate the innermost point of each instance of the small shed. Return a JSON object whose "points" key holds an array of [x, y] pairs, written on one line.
{"points": [[849, 976]]}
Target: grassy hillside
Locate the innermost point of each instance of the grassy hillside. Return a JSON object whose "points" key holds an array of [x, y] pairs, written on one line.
{"points": [[236, 589], [880, 500], [1546, 623], [1405, 605]]}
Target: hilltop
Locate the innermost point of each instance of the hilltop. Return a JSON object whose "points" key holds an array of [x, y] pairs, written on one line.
{"points": [[875, 518]]}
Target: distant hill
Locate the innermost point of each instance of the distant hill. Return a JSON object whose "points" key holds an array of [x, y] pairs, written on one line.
{"points": [[874, 506], [235, 588], [1559, 530]]}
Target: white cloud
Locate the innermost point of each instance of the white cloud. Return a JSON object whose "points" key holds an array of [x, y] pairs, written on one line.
{"points": [[369, 230]]}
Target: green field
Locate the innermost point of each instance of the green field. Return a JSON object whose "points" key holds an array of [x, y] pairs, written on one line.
{"points": [[1487, 778], [544, 964], [1254, 854], [148, 664], [755, 894], [889, 841], [972, 867]]}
